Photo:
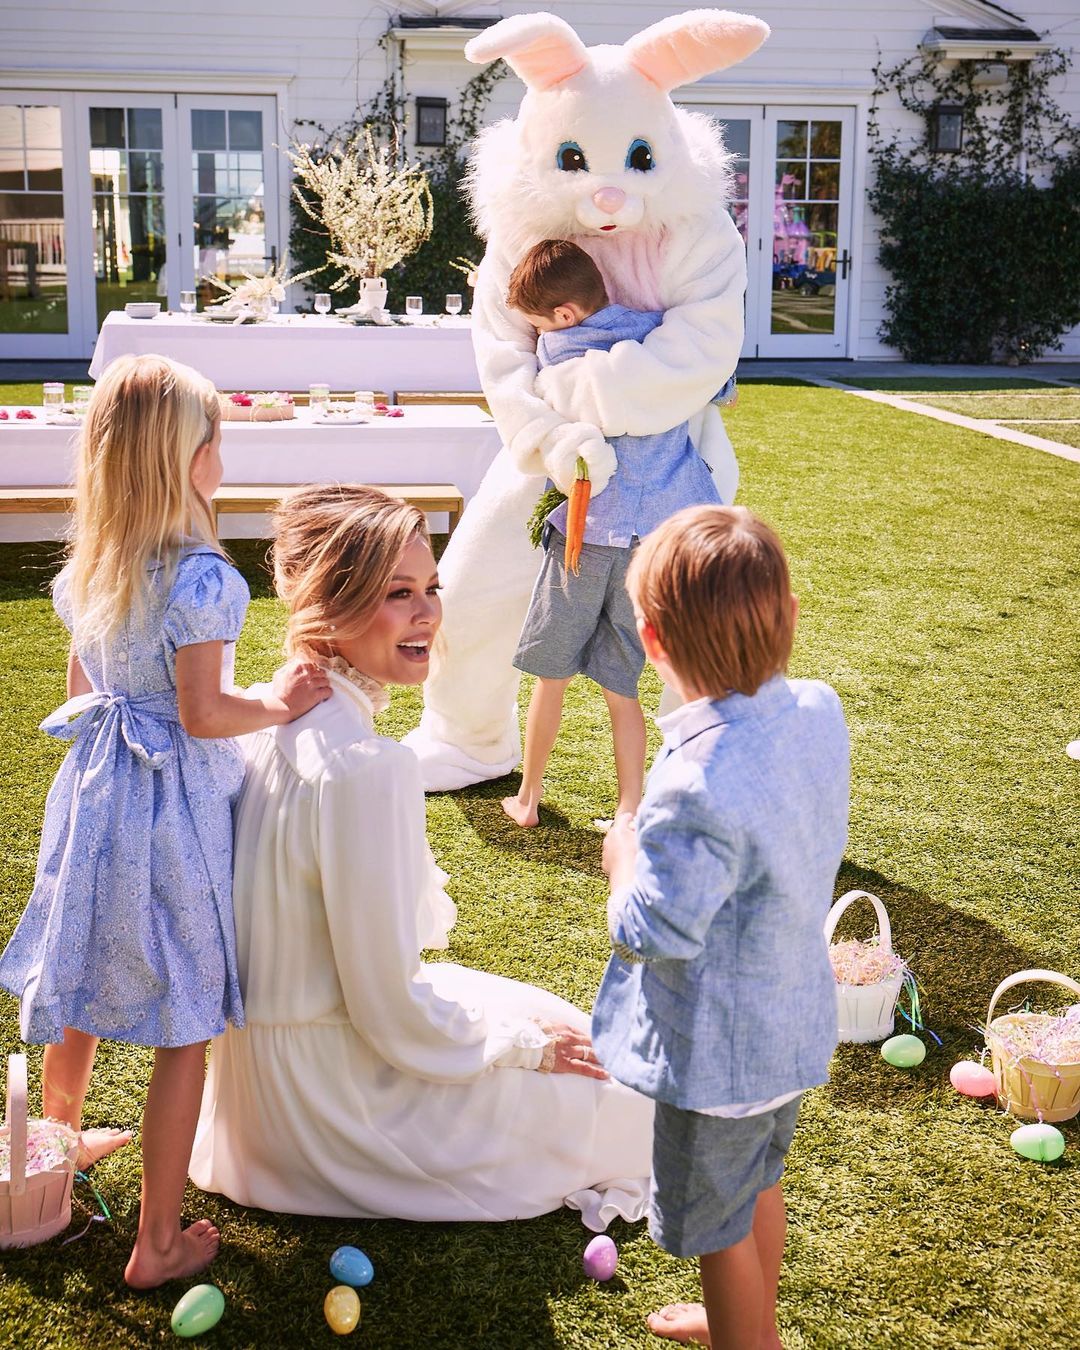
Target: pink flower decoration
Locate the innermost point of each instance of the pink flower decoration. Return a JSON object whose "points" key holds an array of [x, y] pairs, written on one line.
{"points": [[241, 400], [3, 414], [25, 415], [381, 407], [395, 412]]}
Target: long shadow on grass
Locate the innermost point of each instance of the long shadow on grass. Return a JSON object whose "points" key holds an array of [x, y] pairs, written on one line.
{"points": [[958, 960], [553, 840]]}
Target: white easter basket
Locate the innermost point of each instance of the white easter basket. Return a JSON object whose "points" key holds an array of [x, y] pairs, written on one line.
{"points": [[34, 1207], [866, 1012]]}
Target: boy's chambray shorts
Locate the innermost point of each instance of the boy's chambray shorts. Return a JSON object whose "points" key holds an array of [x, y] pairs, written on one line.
{"points": [[582, 624], [708, 1172]]}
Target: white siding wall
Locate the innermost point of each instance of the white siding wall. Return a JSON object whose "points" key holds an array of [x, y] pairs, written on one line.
{"points": [[328, 52]]}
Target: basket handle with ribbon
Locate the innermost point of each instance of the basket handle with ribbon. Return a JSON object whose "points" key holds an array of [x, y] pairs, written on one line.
{"points": [[884, 927], [16, 1121], [1023, 977]]}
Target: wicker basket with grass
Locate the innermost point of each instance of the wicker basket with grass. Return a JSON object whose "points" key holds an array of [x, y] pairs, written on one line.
{"points": [[1036, 1055], [869, 975], [35, 1183]]}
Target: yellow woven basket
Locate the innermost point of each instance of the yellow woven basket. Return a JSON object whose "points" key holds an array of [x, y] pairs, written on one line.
{"points": [[33, 1208], [1026, 1087]]}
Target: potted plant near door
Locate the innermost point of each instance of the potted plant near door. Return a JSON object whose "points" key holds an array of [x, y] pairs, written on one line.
{"points": [[375, 211]]}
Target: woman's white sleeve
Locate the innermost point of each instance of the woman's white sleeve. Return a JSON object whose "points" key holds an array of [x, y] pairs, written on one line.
{"points": [[371, 851]]}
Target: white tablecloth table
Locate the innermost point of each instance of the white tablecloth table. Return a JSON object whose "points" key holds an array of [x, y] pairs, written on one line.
{"points": [[293, 351], [432, 444]]}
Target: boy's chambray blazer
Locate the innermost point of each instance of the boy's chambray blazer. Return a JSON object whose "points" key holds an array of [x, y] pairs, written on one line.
{"points": [[720, 991]]}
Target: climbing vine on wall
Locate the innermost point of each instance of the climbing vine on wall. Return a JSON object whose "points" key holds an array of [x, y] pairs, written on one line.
{"points": [[429, 271], [979, 243]]}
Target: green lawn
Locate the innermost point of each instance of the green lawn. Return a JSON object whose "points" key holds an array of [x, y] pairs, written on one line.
{"points": [[937, 573], [1068, 433], [997, 407]]}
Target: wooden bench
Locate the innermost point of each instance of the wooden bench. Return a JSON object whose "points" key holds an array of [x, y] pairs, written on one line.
{"points": [[241, 498], [458, 398]]}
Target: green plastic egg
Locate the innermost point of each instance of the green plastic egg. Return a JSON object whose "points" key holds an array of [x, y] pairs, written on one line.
{"points": [[341, 1308], [198, 1311], [1040, 1143], [903, 1052]]}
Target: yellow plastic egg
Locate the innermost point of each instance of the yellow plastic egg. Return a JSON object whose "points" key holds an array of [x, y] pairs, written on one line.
{"points": [[341, 1307]]}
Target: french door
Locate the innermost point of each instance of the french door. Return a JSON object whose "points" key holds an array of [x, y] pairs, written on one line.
{"points": [[106, 198], [793, 206]]}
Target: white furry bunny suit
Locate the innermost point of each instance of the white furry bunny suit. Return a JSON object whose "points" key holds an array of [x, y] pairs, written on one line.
{"points": [[599, 154]]}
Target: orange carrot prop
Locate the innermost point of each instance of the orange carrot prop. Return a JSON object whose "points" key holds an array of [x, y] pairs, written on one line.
{"points": [[576, 511]]}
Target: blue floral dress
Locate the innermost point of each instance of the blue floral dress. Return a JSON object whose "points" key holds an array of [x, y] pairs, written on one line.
{"points": [[129, 931]]}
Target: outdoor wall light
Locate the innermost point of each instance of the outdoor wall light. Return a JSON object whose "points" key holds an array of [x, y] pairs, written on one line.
{"points": [[431, 121], [947, 127]]}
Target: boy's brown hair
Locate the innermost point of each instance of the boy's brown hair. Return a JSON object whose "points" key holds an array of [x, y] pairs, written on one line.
{"points": [[713, 583], [555, 272]]}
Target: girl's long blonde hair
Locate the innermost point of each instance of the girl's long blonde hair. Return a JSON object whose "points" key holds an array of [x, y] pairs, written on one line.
{"points": [[335, 549], [134, 500]]}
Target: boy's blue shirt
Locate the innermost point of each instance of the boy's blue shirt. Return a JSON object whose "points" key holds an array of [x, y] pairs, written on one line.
{"points": [[656, 475], [720, 991]]}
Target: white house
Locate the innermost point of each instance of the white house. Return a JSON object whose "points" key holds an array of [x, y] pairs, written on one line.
{"points": [[138, 141]]}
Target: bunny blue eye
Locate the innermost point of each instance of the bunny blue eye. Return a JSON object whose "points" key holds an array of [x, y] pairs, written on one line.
{"points": [[571, 158], [640, 156]]}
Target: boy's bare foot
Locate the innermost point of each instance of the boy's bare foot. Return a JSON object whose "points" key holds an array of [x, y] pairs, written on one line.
{"points": [[526, 814], [192, 1251], [97, 1144], [685, 1322]]}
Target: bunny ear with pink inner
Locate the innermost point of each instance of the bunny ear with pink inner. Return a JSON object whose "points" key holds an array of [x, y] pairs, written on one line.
{"points": [[540, 48], [683, 48]]}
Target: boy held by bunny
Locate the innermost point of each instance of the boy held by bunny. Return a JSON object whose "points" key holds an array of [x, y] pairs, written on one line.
{"points": [[584, 624], [719, 1001], [128, 933]]}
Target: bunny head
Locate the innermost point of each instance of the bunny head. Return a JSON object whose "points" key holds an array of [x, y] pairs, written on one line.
{"points": [[598, 148]]}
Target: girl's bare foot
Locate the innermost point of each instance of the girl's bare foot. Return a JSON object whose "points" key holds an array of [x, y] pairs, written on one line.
{"points": [[523, 813], [685, 1322], [192, 1251], [97, 1144]]}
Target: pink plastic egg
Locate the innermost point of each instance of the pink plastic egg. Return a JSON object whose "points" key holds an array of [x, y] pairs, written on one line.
{"points": [[600, 1259], [973, 1080]]}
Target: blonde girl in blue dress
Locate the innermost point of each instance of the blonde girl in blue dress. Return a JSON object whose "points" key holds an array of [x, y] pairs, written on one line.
{"points": [[128, 933]]}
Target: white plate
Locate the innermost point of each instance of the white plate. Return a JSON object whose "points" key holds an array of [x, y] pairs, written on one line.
{"points": [[342, 418], [142, 309]]}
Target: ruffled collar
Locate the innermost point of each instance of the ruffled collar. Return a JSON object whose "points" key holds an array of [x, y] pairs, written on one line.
{"points": [[372, 690]]}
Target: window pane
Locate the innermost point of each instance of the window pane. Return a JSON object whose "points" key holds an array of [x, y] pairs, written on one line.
{"points": [[737, 138], [790, 140], [791, 180], [245, 130], [11, 132], [108, 169], [33, 263], [825, 181], [207, 129], [825, 140], [43, 128], [145, 171], [107, 127], [45, 170], [144, 128], [129, 250], [11, 169], [804, 270]]}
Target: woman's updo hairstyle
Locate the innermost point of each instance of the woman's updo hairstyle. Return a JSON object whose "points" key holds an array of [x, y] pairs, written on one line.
{"points": [[335, 550]]}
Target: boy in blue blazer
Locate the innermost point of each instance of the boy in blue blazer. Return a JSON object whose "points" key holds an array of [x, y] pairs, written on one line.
{"points": [[719, 1001]]}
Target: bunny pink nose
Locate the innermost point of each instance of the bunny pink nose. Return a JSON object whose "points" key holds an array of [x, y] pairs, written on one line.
{"points": [[609, 200]]}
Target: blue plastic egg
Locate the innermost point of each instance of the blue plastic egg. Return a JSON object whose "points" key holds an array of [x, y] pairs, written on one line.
{"points": [[600, 1259], [198, 1311], [349, 1265], [1040, 1143], [903, 1052]]}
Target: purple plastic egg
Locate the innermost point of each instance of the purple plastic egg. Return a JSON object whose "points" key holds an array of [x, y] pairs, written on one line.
{"points": [[600, 1259], [973, 1080]]}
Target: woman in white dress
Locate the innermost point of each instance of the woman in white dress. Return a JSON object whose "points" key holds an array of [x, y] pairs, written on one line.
{"points": [[367, 1083]]}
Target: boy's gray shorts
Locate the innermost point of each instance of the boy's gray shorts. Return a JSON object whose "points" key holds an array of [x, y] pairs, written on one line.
{"points": [[582, 624], [708, 1172]]}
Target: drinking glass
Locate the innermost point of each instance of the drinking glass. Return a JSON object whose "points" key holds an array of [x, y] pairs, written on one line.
{"points": [[187, 302], [453, 304], [80, 398], [323, 303], [52, 398], [414, 306], [365, 401], [318, 398]]}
